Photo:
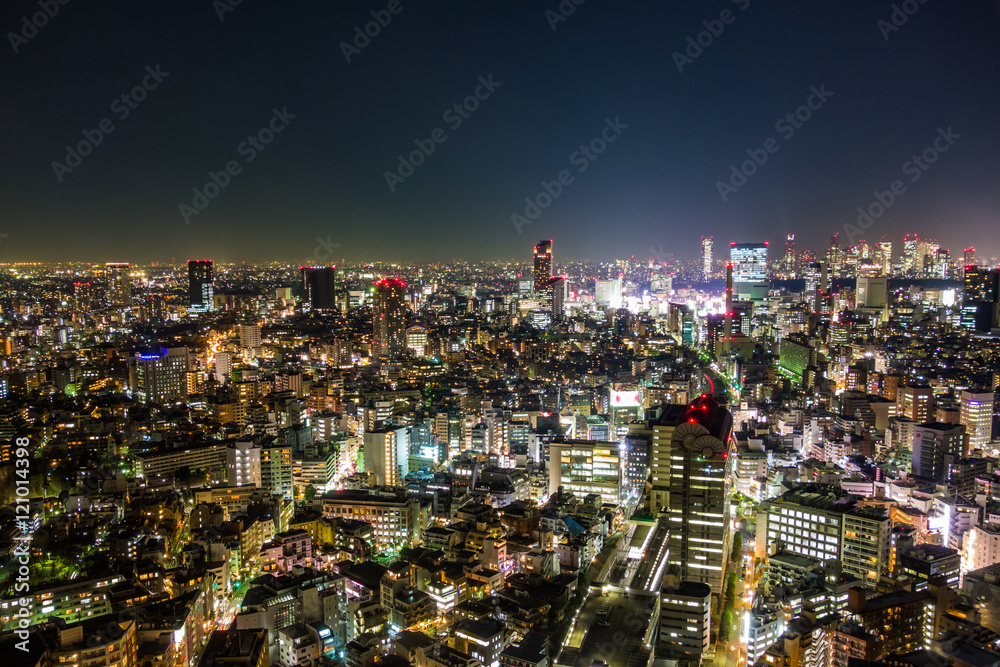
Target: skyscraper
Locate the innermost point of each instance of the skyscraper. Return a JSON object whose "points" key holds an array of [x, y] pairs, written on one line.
{"points": [[389, 325], [201, 285], [980, 298], [119, 283], [697, 487], [749, 262], [885, 252], [557, 287], [608, 293], [543, 265], [935, 445], [975, 412], [915, 403], [161, 375], [969, 256], [319, 287], [706, 255], [788, 261]]}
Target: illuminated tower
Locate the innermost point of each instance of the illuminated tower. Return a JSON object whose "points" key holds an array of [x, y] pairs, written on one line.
{"points": [[729, 309], [119, 284], [201, 285], [697, 489], [543, 265], [389, 317], [789, 260], [910, 262], [749, 262], [706, 255], [885, 250]]}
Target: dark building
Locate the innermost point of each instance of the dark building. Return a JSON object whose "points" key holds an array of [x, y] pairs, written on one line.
{"points": [[236, 648], [389, 318], [319, 287], [201, 285], [897, 619], [980, 298], [557, 289], [930, 563]]}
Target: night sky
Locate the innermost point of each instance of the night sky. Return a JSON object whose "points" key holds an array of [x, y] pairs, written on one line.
{"points": [[324, 174]]}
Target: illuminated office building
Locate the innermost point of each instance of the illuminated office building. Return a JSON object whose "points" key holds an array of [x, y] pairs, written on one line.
{"points": [[119, 283], [707, 242], [975, 413], [389, 318], [201, 285], [697, 487], [749, 262]]}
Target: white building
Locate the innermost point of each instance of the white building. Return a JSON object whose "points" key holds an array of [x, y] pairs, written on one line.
{"points": [[976, 414], [243, 463]]}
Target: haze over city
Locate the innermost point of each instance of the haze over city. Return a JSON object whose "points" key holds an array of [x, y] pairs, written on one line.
{"points": [[689, 113]]}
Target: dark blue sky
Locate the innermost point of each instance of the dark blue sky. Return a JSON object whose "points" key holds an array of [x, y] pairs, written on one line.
{"points": [[324, 174]]}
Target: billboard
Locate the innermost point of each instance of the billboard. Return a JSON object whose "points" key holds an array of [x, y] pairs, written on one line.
{"points": [[624, 399]]}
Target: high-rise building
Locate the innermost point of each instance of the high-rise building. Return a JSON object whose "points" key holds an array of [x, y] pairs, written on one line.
{"points": [[201, 285], [608, 293], [707, 242], [276, 469], [788, 261], [885, 255], [542, 265], [969, 256], [980, 298], [249, 336], [975, 413], [685, 621], [319, 287], [915, 403], [749, 262], [389, 317], [119, 283], [935, 445], [381, 456], [161, 376], [243, 463], [871, 292], [557, 288], [586, 466], [698, 487], [824, 522]]}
